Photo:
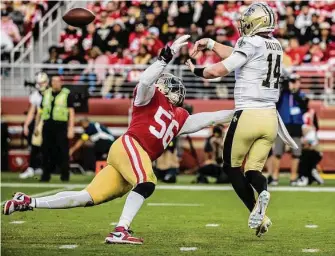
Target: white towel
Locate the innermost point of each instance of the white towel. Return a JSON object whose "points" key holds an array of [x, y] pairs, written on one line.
{"points": [[284, 135]]}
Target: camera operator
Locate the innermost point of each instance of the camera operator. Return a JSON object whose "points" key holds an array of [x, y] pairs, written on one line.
{"points": [[291, 106], [98, 139], [213, 158], [35, 99]]}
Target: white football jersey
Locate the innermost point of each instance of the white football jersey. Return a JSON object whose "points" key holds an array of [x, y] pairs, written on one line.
{"points": [[257, 81]]}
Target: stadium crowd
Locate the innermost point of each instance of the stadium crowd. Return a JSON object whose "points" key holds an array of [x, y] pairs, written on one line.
{"points": [[140, 28]]}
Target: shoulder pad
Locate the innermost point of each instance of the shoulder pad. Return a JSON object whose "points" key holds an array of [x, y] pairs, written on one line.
{"points": [[253, 40], [66, 90]]}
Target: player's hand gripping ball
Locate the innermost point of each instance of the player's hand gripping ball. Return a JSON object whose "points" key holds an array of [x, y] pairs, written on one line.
{"points": [[78, 17]]}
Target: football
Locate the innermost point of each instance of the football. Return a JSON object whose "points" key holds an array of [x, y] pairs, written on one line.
{"points": [[78, 17]]}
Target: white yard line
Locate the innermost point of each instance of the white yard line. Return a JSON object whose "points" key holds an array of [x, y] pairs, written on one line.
{"points": [[212, 225], [68, 246], [187, 249], [171, 187], [172, 204], [17, 222], [311, 226], [310, 250]]}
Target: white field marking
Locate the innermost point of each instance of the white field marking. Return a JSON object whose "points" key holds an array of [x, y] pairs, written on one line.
{"points": [[113, 223], [172, 187], [310, 250], [187, 249], [212, 225], [17, 222], [311, 226], [45, 193], [172, 204], [68, 246]]}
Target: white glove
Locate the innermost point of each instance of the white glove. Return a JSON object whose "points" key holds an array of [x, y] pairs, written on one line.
{"points": [[180, 42]]}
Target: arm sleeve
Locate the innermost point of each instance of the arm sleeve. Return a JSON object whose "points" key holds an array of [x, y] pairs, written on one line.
{"points": [[316, 122], [199, 121], [145, 88], [234, 61]]}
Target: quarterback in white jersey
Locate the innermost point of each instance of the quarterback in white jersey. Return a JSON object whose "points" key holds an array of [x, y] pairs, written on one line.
{"points": [[256, 60]]}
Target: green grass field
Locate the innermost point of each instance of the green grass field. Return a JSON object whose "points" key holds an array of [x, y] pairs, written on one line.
{"points": [[168, 228]]}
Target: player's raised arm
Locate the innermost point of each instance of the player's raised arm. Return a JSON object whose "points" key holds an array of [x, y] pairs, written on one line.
{"points": [[145, 88], [199, 121], [223, 51]]}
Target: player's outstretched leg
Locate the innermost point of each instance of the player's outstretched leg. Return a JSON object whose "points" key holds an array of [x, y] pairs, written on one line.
{"points": [[259, 182], [135, 199], [61, 200], [241, 186]]}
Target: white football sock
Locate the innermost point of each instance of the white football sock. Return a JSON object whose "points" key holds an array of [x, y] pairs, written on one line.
{"points": [[133, 204], [63, 200]]}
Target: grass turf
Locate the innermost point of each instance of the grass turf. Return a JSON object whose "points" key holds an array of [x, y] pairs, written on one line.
{"points": [[167, 228]]}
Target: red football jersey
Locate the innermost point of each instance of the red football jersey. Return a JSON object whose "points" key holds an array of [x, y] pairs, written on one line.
{"points": [[156, 124]]}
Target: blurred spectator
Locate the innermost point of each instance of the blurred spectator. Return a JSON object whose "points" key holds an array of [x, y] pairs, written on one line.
{"points": [[291, 106], [325, 36], [208, 58], [171, 32], [209, 31], [185, 13], [310, 156], [86, 40], [213, 158], [295, 51], [314, 54], [53, 56], [9, 27], [195, 33], [313, 31], [6, 45], [183, 56], [116, 76], [304, 19], [53, 59], [94, 75], [143, 57], [221, 37], [69, 37], [152, 41], [103, 34], [75, 58], [136, 37], [119, 37], [291, 29]]}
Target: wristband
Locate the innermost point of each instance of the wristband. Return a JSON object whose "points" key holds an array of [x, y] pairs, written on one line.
{"points": [[199, 72], [210, 44]]}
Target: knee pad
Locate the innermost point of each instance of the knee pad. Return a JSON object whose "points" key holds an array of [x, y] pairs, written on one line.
{"points": [[145, 189]]}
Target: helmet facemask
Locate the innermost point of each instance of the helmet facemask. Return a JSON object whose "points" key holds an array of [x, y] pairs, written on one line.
{"points": [[172, 87]]}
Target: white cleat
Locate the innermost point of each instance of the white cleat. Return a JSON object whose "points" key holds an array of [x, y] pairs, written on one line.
{"points": [[258, 213], [29, 173], [264, 227]]}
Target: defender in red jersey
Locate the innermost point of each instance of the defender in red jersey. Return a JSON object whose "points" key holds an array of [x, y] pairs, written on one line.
{"points": [[156, 119]]}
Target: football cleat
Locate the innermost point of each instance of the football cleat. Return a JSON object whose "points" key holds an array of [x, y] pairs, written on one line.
{"points": [[257, 215], [122, 236], [264, 227], [20, 202]]}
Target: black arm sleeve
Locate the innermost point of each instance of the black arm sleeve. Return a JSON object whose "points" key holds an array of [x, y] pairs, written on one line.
{"points": [[302, 101]]}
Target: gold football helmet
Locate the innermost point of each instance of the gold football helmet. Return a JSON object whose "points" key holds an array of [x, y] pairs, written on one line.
{"points": [[257, 18]]}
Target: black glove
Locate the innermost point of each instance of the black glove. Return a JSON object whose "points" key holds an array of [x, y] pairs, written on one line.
{"points": [[166, 54]]}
